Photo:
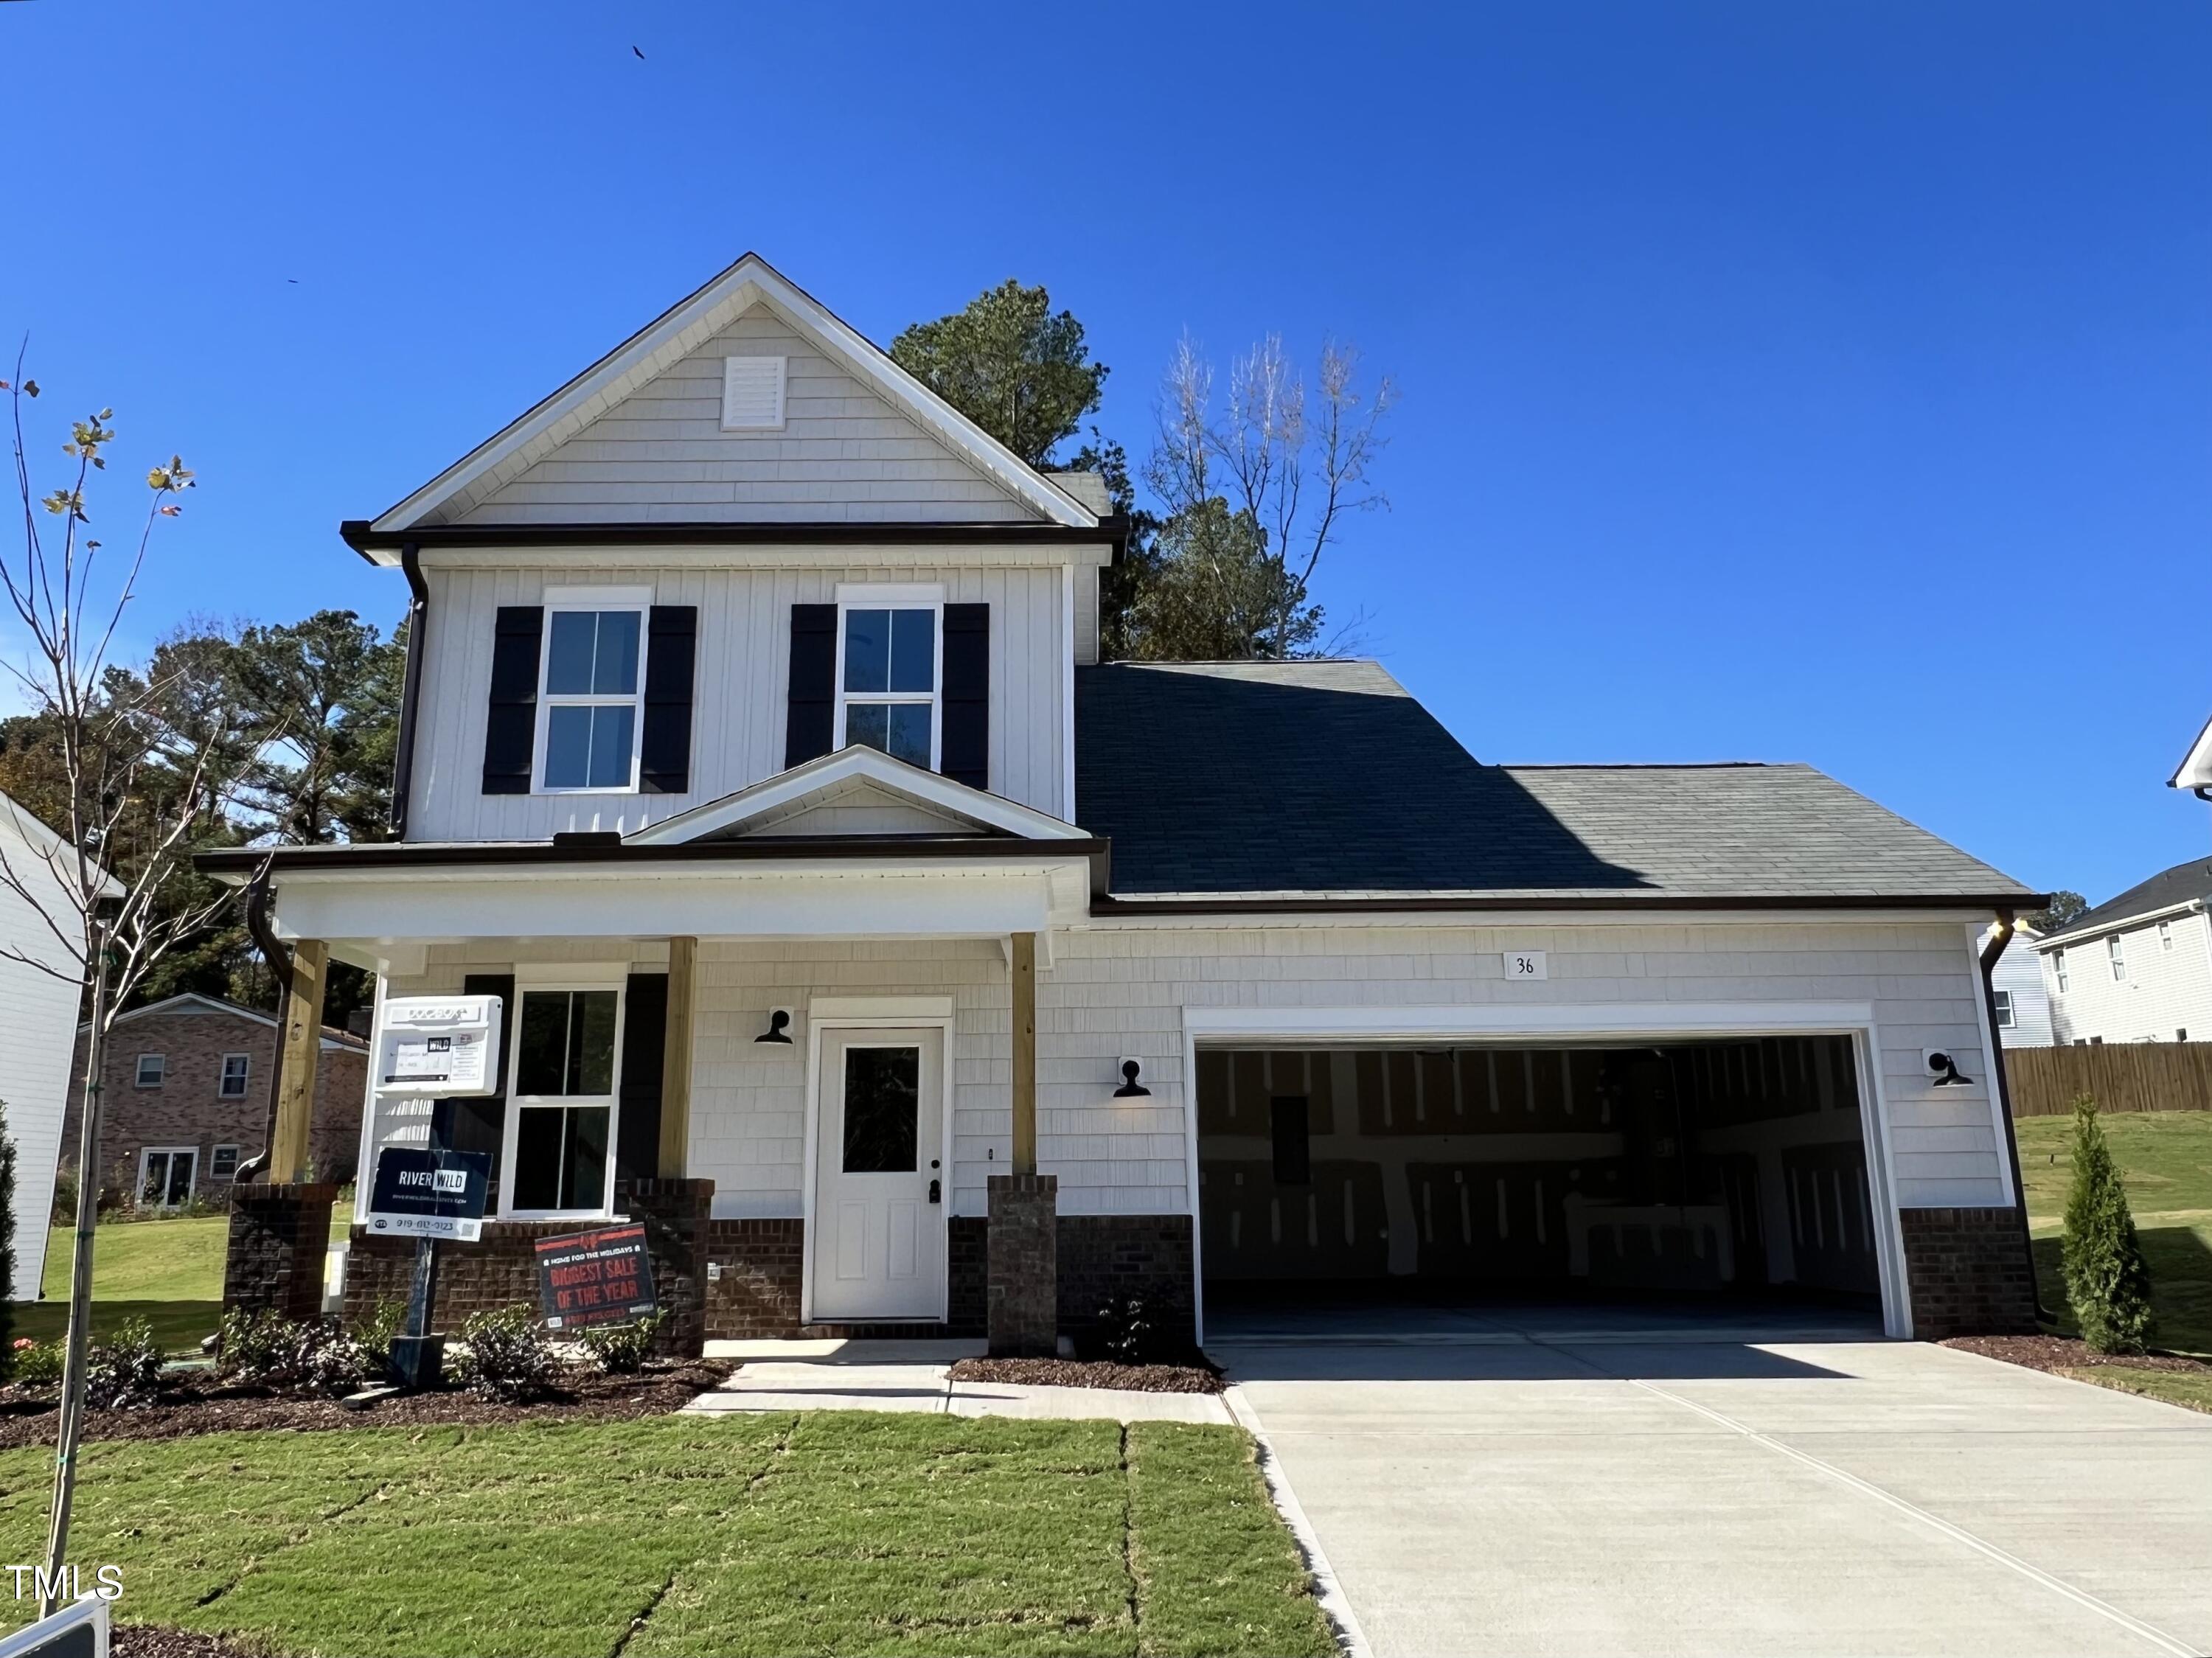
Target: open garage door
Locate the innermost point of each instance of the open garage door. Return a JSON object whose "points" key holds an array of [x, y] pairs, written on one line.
{"points": [[1721, 1168]]}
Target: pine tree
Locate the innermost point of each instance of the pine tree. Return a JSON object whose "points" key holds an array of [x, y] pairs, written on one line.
{"points": [[2107, 1280]]}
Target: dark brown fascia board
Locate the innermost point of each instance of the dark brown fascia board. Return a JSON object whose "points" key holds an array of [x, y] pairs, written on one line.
{"points": [[1113, 529], [401, 855], [1112, 905]]}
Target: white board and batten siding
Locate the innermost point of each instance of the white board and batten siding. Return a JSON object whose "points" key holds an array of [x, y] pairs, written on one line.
{"points": [[2163, 990], [662, 454], [739, 699], [1112, 992]]}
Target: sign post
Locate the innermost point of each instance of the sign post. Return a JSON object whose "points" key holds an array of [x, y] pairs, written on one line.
{"points": [[439, 1049], [426, 1194]]}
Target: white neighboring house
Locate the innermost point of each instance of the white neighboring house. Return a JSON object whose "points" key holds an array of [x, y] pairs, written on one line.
{"points": [[38, 1032], [2023, 1001], [2138, 967]]}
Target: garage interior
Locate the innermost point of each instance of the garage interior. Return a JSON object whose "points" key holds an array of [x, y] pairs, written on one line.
{"points": [[1724, 1169]]}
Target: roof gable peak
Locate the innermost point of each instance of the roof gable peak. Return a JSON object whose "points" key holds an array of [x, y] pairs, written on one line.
{"points": [[683, 329]]}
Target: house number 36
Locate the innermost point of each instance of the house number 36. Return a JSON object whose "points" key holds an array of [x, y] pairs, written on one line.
{"points": [[1524, 964]]}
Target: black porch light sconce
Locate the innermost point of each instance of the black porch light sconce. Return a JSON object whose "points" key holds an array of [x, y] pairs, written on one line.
{"points": [[1131, 1088], [1946, 1070], [779, 1020]]}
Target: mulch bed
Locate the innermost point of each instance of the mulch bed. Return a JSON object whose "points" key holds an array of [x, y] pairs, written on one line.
{"points": [[1090, 1373], [200, 1405], [2059, 1353]]}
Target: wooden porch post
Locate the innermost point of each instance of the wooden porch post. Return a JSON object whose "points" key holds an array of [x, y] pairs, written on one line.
{"points": [[1022, 979], [300, 1044], [675, 1059]]}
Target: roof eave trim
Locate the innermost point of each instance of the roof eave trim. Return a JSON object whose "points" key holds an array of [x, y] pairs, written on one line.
{"points": [[381, 547], [1118, 904]]}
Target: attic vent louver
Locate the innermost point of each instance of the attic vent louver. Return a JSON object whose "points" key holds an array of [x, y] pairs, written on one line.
{"points": [[752, 393]]}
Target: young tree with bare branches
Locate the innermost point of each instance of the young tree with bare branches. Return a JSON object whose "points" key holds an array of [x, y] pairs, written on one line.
{"points": [[135, 772]]}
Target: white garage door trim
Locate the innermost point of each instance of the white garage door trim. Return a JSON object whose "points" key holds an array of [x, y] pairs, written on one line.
{"points": [[1217, 1027]]}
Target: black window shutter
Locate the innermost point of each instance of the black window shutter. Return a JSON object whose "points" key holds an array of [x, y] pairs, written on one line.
{"points": [[965, 730], [645, 1037], [664, 750], [510, 720], [812, 715], [474, 1124]]}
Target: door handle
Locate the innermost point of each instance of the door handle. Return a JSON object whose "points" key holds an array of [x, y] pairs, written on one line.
{"points": [[936, 1191]]}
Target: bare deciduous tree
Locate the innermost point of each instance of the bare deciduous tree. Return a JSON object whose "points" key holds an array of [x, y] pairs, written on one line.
{"points": [[136, 768], [1290, 461]]}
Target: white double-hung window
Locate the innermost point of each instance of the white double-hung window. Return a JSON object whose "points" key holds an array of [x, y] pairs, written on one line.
{"points": [[891, 665], [565, 1070], [590, 690]]}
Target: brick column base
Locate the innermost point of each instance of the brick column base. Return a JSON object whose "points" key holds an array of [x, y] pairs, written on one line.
{"points": [[279, 1236], [1023, 1294], [1968, 1272], [674, 1213]]}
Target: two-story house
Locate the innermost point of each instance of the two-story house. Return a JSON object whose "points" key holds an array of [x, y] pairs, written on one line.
{"points": [[2138, 967], [905, 964]]}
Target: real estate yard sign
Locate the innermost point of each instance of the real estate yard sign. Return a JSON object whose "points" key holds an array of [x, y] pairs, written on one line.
{"points": [[429, 1194], [594, 1277]]}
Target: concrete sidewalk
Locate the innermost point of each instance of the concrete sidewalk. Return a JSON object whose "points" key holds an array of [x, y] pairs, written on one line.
{"points": [[914, 1375], [1552, 1484]]}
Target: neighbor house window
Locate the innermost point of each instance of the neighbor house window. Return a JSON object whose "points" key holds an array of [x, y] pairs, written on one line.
{"points": [[235, 1068], [165, 1176], [152, 1067], [2166, 935], [2119, 961], [2004, 1008], [887, 681], [567, 1045], [593, 668], [222, 1163], [2059, 968]]}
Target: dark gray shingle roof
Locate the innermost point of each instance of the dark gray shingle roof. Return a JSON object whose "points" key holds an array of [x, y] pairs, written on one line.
{"points": [[1325, 777], [2163, 891]]}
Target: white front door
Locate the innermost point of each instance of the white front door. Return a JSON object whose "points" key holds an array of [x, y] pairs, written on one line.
{"points": [[878, 1221]]}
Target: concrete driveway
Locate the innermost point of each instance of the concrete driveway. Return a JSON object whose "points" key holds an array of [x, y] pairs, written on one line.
{"points": [[1570, 1482]]}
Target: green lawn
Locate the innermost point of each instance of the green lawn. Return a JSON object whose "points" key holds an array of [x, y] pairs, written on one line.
{"points": [[827, 1533], [2165, 1158], [166, 1272]]}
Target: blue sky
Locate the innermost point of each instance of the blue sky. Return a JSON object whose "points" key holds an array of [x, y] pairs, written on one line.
{"points": [[1779, 382]]}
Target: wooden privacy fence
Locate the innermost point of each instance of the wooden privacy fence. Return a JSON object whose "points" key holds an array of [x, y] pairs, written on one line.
{"points": [[2127, 1076]]}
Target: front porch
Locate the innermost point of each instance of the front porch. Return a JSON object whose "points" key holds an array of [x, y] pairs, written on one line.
{"points": [[808, 1063]]}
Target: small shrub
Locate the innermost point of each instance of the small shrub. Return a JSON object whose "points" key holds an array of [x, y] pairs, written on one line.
{"points": [[622, 1349], [2107, 1281], [256, 1345], [377, 1331], [1127, 1334], [38, 1364], [320, 1359], [507, 1355], [123, 1372]]}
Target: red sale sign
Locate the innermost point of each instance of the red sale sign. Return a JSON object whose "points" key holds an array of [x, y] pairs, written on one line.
{"points": [[594, 1277]]}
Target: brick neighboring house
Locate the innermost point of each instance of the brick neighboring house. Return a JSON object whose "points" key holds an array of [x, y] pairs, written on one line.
{"points": [[186, 1084]]}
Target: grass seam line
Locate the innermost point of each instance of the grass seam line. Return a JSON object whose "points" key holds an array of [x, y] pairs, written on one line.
{"points": [[639, 1622], [1129, 1544], [1327, 1590], [258, 1560]]}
